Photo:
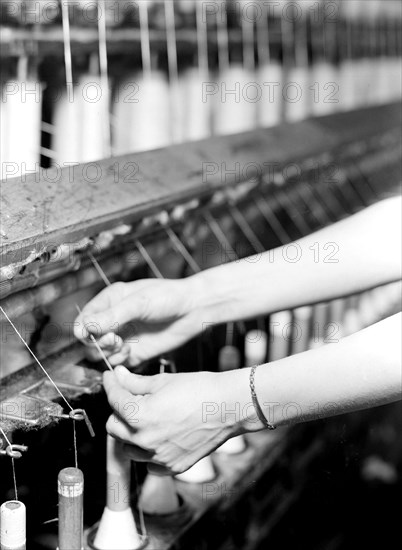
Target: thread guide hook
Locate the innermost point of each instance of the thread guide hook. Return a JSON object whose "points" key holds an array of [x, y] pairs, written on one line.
{"points": [[78, 414], [13, 451]]}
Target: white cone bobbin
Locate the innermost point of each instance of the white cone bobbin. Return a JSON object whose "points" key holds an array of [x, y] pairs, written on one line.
{"points": [[233, 446], [23, 110], [296, 94], [229, 358], [270, 106], [66, 140], [12, 525], [235, 106], [159, 496], [117, 528], [142, 113], [201, 472], [197, 123], [255, 347]]}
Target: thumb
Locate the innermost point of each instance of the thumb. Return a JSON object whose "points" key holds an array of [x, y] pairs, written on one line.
{"points": [[136, 383]]}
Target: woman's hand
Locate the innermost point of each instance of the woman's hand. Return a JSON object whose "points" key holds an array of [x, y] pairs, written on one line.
{"points": [[163, 314], [173, 420]]}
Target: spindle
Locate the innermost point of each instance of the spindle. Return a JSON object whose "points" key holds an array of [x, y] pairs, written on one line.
{"points": [[70, 488], [269, 74], [235, 103], [158, 493], [117, 528]]}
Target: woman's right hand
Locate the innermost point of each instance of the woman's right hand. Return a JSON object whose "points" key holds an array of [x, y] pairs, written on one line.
{"points": [[163, 314]]}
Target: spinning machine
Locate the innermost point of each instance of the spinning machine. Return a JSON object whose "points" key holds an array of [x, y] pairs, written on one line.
{"points": [[158, 138]]}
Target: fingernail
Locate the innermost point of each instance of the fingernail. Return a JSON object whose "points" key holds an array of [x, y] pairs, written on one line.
{"points": [[106, 375], [120, 370]]}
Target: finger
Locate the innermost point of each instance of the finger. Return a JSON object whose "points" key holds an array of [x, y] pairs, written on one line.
{"points": [[134, 307], [125, 404], [110, 342], [158, 469], [121, 357], [106, 297], [136, 383], [118, 429], [111, 345], [137, 454]]}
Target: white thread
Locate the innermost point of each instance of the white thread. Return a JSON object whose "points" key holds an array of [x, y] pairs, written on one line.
{"points": [[36, 359], [12, 463]]}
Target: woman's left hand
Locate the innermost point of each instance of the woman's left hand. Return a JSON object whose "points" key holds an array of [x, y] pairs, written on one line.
{"points": [[173, 420]]}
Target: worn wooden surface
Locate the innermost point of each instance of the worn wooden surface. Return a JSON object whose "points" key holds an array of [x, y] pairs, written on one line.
{"points": [[63, 205]]}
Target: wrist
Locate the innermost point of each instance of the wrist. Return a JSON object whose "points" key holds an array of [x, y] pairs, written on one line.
{"points": [[210, 297], [237, 409]]}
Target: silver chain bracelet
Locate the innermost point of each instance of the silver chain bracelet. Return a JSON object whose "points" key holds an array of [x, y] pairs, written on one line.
{"points": [[256, 404]]}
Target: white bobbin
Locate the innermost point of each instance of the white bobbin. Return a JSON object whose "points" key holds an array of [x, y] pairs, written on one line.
{"points": [[255, 347], [12, 525], [159, 496]]}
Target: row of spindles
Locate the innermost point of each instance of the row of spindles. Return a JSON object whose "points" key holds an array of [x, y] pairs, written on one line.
{"points": [[163, 102]]}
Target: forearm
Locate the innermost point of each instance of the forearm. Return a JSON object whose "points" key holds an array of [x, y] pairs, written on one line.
{"points": [[350, 256], [361, 371]]}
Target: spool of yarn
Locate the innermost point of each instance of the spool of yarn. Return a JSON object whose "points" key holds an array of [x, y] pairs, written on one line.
{"points": [[347, 88], [235, 105], [117, 528], [270, 78], [22, 108], [94, 110], [197, 108], [325, 79], [159, 496], [280, 326], [12, 525], [350, 73], [296, 94], [66, 140], [141, 113]]}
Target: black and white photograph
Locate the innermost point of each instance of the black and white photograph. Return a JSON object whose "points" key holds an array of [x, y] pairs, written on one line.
{"points": [[200, 274]]}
